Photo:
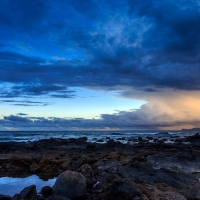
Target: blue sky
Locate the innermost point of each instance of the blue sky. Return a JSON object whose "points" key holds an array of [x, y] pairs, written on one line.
{"points": [[99, 64]]}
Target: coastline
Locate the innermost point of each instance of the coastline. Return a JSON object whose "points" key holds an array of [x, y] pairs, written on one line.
{"points": [[168, 168]]}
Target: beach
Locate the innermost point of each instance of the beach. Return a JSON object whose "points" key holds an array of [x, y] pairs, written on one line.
{"points": [[144, 168]]}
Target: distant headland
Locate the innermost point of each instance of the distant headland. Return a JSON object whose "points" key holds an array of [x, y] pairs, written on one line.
{"points": [[192, 129]]}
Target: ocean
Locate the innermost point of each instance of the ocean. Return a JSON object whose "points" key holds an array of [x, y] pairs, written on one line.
{"points": [[92, 136]]}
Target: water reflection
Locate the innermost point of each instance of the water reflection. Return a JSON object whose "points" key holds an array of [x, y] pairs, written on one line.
{"points": [[11, 186]]}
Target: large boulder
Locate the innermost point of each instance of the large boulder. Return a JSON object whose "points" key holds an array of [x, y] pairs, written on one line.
{"points": [[28, 193], [70, 184]]}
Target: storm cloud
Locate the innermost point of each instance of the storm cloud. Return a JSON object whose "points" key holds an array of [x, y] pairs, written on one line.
{"points": [[143, 43]]}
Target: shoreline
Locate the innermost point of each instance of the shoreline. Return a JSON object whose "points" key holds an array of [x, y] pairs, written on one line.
{"points": [[142, 164], [92, 136]]}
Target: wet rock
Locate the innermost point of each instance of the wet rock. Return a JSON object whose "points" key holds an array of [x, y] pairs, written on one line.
{"points": [[121, 138], [140, 139], [110, 143], [100, 140], [9, 167], [91, 146], [149, 138], [29, 193], [132, 139], [179, 140], [65, 165], [4, 197], [57, 197], [102, 197], [75, 165], [194, 140], [41, 198], [158, 192], [16, 197], [123, 190], [81, 140], [87, 171], [46, 191], [196, 136], [70, 184], [110, 166], [137, 198], [89, 197], [90, 183], [173, 195], [99, 187], [192, 192]]}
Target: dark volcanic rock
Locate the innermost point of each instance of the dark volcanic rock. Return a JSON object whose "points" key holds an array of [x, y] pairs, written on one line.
{"points": [[91, 146], [196, 136], [70, 184], [165, 170], [57, 197], [46, 191], [179, 140], [81, 140], [110, 143], [41, 198], [149, 138], [4, 197], [123, 190], [16, 197], [87, 171], [28, 193], [100, 140]]}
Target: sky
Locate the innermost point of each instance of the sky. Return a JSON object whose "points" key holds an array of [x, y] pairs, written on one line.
{"points": [[99, 65]]}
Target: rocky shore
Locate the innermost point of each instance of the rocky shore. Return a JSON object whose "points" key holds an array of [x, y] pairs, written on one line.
{"points": [[147, 170]]}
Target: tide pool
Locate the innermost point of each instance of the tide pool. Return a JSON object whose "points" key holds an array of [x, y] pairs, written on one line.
{"points": [[11, 186]]}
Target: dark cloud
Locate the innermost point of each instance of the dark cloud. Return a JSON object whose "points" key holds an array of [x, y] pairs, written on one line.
{"points": [[16, 119], [21, 14], [143, 45], [175, 21], [25, 103], [151, 90], [29, 90]]}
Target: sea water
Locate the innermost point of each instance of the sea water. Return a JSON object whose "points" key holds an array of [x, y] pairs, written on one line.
{"points": [[25, 136]]}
